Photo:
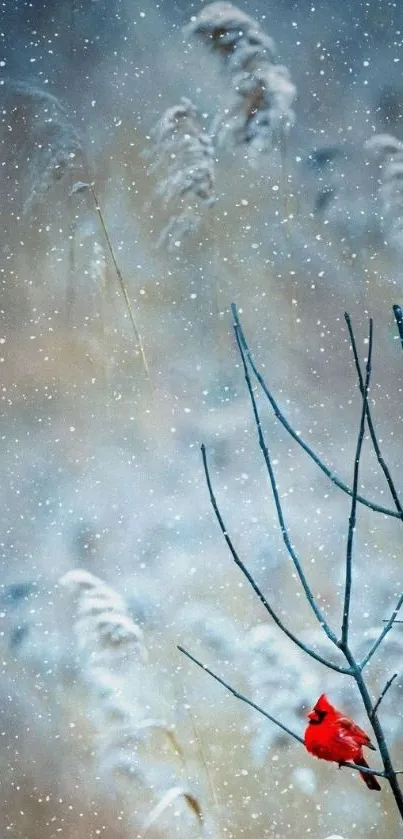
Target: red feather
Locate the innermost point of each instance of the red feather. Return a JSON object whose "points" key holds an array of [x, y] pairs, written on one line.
{"points": [[330, 735]]}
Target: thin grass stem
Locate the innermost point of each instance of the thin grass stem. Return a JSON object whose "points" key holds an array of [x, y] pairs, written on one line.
{"points": [[122, 283]]}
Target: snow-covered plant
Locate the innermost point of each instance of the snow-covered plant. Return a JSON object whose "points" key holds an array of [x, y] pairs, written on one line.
{"points": [[185, 153], [45, 142], [115, 668], [388, 153], [259, 110], [112, 646]]}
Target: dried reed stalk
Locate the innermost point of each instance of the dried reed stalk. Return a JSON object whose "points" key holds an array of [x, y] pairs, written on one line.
{"points": [[121, 281]]}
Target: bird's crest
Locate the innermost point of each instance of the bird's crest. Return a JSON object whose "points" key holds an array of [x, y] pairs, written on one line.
{"points": [[320, 710], [323, 704]]}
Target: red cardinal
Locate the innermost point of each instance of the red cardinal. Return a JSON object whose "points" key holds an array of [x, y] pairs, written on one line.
{"points": [[332, 736]]}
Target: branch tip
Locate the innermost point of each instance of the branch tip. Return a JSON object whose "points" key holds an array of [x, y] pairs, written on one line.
{"points": [[377, 508], [384, 691], [398, 313]]}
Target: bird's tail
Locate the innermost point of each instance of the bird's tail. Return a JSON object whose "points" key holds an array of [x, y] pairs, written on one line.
{"points": [[369, 780]]}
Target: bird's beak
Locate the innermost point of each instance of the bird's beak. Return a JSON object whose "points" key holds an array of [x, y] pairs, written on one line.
{"points": [[312, 715]]}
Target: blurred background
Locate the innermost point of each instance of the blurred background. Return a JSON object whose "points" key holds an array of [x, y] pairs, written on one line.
{"points": [[101, 429]]}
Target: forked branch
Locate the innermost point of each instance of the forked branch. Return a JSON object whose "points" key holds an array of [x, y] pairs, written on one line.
{"points": [[264, 713], [354, 668], [252, 582], [280, 515], [377, 508], [385, 630], [371, 428], [389, 683]]}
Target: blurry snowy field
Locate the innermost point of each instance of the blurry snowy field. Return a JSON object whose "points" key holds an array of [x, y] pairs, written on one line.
{"points": [[101, 462]]}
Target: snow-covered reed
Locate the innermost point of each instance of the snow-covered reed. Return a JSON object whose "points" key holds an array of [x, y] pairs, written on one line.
{"points": [[261, 94], [116, 670], [46, 146], [185, 154], [388, 154]]}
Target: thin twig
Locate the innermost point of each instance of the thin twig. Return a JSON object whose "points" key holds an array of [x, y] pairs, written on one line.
{"points": [[385, 690], [240, 695], [377, 508], [121, 281], [355, 668], [283, 527], [274, 720], [254, 584], [371, 428], [398, 313], [381, 636], [353, 511], [365, 769]]}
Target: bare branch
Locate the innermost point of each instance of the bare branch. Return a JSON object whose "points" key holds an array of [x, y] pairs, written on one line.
{"points": [[377, 508], [398, 313], [354, 668], [352, 517], [308, 591], [364, 769], [254, 584], [241, 696], [268, 716], [381, 636], [385, 690], [390, 773], [371, 428]]}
